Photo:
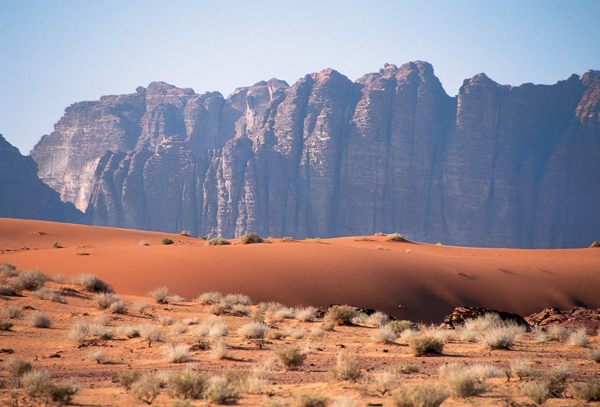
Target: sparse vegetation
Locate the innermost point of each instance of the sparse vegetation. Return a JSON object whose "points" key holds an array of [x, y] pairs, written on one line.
{"points": [[176, 353], [218, 241], [588, 391], [341, 314], [424, 344], [291, 357], [208, 298], [166, 241], [11, 312], [127, 377], [221, 391], [250, 238], [462, 380], [253, 330], [38, 319], [5, 325], [188, 384], [92, 283], [311, 400], [32, 279], [145, 243], [347, 367], [400, 326], [48, 294], [395, 237], [420, 395], [594, 354], [151, 333], [146, 388], [160, 295], [384, 334]]}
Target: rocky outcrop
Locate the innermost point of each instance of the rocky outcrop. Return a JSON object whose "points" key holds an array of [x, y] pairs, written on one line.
{"points": [[495, 166], [24, 196], [462, 314]]}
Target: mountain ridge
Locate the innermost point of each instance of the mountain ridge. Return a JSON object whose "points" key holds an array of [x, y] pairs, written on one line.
{"points": [[497, 165]]}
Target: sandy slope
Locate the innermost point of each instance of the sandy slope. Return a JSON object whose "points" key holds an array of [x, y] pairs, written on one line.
{"points": [[410, 280]]}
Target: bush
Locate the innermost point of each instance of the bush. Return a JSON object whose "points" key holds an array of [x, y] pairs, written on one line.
{"points": [[167, 241], [127, 377], [92, 283], [218, 349], [57, 245], [160, 295], [589, 391], [558, 333], [11, 312], [79, 331], [424, 395], [594, 354], [595, 244], [140, 307], [253, 330], [307, 314], [424, 344], [39, 320], [37, 384], [145, 243], [386, 381], [250, 238], [17, 368], [384, 335], [500, 338], [5, 326], [295, 333], [33, 279], [291, 357], [378, 319], [395, 237], [185, 233], [176, 353], [461, 380], [521, 368], [97, 355], [400, 326], [218, 241], [102, 331], [8, 291], [110, 302], [212, 297], [147, 388], [346, 368], [187, 384], [48, 294], [579, 338], [341, 314], [407, 368], [311, 400], [221, 391], [9, 270], [151, 333], [536, 391], [555, 380]]}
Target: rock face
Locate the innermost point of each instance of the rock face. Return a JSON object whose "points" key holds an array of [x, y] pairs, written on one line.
{"points": [[24, 196], [495, 166]]}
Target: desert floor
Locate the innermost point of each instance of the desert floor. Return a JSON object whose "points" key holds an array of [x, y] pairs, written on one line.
{"points": [[407, 280]]}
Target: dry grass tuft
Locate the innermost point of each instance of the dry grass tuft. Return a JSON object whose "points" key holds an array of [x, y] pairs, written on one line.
{"points": [[424, 344], [291, 357], [346, 368], [421, 395]]}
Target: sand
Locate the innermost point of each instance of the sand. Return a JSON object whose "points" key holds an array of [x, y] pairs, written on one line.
{"points": [[408, 280]]}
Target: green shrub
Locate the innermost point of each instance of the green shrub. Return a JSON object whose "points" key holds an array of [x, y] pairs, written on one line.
{"points": [[250, 238], [218, 241], [292, 357], [422, 345], [167, 241], [341, 314]]}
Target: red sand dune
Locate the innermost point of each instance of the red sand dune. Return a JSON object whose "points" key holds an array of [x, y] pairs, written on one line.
{"points": [[424, 284]]}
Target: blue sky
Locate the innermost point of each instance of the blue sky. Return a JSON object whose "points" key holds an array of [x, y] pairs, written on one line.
{"points": [[56, 53]]}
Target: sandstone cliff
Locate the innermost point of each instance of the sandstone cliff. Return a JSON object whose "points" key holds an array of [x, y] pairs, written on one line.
{"points": [[24, 196], [495, 166]]}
